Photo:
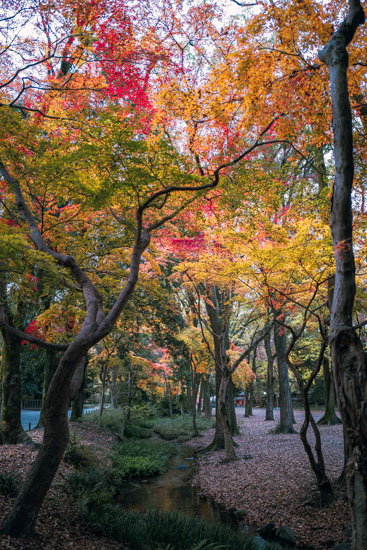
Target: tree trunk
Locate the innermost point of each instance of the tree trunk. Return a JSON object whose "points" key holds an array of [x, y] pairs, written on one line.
{"points": [[49, 370], [248, 402], [207, 409], [11, 426], [113, 387], [286, 413], [77, 390], [317, 464], [269, 414], [329, 417], [21, 520], [102, 377], [347, 353], [231, 410], [224, 418], [194, 396]]}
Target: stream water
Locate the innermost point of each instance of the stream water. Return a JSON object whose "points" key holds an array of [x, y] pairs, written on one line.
{"points": [[172, 492]]}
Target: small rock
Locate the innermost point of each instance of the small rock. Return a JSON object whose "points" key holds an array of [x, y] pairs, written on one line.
{"points": [[285, 534], [267, 531]]}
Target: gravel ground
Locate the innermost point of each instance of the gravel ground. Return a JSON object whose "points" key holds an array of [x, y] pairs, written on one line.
{"points": [[277, 483]]}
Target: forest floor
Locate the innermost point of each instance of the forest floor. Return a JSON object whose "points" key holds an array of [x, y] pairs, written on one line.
{"points": [[57, 528], [277, 483]]}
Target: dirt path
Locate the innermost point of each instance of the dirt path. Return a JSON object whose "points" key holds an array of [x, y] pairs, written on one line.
{"points": [[277, 483]]}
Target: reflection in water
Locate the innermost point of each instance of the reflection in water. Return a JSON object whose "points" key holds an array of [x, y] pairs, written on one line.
{"points": [[172, 492]]}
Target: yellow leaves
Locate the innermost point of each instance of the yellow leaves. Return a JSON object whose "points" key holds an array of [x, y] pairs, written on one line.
{"points": [[153, 264]]}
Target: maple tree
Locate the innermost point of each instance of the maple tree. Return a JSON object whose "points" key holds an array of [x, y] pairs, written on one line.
{"points": [[120, 118]]}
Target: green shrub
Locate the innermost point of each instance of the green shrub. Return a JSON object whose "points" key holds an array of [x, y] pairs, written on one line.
{"points": [[91, 491], [180, 427], [78, 455], [164, 409], [136, 466], [141, 458], [9, 485], [139, 431], [113, 419]]}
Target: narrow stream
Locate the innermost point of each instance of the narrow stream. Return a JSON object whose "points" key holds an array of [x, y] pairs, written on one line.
{"points": [[172, 492]]}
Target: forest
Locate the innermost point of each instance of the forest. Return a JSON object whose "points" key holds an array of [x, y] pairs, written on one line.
{"points": [[182, 252]]}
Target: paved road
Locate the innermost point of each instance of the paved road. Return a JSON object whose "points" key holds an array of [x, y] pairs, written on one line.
{"points": [[31, 417]]}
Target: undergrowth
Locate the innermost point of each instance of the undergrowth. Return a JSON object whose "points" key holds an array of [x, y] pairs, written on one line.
{"points": [[180, 427], [9, 485], [137, 458]]}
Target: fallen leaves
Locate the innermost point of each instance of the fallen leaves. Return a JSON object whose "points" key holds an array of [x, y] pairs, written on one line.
{"points": [[277, 484]]}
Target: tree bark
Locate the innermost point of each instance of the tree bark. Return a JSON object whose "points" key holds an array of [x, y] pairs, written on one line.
{"points": [[269, 414], [12, 431], [77, 390], [286, 413], [207, 409], [329, 417], [347, 353], [49, 370]]}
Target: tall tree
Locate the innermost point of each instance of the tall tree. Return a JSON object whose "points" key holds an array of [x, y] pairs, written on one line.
{"points": [[348, 356]]}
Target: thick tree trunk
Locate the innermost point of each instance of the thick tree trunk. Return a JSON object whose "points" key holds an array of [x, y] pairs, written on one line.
{"points": [[11, 426], [269, 414], [207, 409], [22, 518], [347, 353], [49, 369], [286, 412], [329, 417], [224, 417], [77, 390], [248, 402]]}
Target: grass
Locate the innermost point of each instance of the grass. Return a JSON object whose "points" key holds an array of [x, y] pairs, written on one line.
{"points": [[157, 530], [79, 455], [112, 419], [138, 425], [137, 458], [9, 485], [180, 427]]}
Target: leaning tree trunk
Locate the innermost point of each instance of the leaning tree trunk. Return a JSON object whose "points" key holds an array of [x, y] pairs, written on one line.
{"points": [[347, 353], [21, 520], [286, 413], [269, 414], [11, 426]]}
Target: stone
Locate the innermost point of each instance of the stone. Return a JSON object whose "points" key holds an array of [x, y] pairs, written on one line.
{"points": [[267, 531], [285, 534]]}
